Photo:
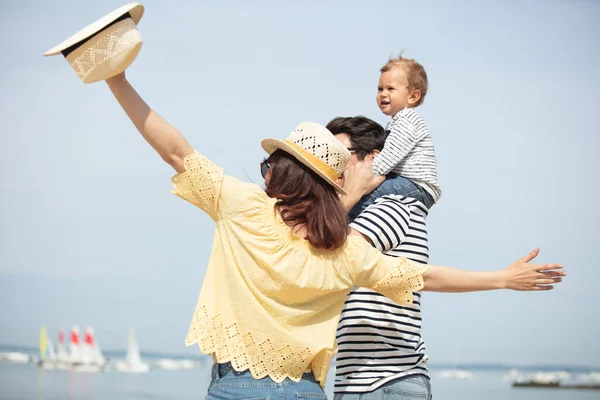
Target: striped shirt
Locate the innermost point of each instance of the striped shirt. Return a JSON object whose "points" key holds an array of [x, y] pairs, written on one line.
{"points": [[409, 152], [379, 340]]}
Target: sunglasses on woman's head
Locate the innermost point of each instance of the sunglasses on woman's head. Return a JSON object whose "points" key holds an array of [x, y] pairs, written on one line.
{"points": [[264, 168]]}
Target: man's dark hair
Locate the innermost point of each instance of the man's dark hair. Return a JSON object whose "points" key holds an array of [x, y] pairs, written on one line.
{"points": [[365, 134]]}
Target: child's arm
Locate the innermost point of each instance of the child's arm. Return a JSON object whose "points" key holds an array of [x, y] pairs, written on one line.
{"points": [[402, 139]]}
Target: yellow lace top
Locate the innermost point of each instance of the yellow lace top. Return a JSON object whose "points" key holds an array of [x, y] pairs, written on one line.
{"points": [[270, 302]]}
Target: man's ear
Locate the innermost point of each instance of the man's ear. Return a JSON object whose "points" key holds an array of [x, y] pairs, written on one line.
{"points": [[373, 154]]}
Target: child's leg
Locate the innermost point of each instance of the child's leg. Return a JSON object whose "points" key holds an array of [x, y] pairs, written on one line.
{"points": [[363, 203], [400, 185], [393, 184]]}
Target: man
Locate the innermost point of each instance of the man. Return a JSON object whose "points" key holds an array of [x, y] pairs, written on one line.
{"points": [[380, 348]]}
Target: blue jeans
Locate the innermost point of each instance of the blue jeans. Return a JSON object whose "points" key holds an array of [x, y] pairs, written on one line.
{"points": [[393, 184], [229, 384], [412, 387]]}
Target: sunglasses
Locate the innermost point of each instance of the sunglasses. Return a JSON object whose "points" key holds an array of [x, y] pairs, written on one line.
{"points": [[264, 168]]}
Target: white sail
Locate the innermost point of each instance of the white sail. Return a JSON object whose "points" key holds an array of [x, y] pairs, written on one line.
{"points": [[133, 362], [133, 351], [51, 352], [98, 357]]}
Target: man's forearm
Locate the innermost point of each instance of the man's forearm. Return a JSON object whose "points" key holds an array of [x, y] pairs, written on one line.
{"points": [[445, 279], [163, 137]]}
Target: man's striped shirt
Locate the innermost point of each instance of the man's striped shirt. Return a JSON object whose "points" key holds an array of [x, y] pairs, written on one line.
{"points": [[409, 152], [379, 340]]}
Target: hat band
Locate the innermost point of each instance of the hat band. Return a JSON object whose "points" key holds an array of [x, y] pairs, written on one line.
{"points": [[321, 165]]}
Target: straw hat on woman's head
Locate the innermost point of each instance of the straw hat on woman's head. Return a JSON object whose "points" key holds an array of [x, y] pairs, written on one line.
{"points": [[106, 47], [314, 146]]}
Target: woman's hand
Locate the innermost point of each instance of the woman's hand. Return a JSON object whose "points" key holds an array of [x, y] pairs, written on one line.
{"points": [[359, 178], [525, 276], [519, 276], [119, 78], [358, 181]]}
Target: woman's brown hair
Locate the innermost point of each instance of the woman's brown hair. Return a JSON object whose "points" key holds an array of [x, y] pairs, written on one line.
{"points": [[304, 198]]}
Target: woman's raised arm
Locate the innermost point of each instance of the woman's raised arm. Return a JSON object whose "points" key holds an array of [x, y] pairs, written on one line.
{"points": [[168, 142]]}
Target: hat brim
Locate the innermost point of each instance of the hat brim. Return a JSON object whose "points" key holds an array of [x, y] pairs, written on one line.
{"points": [[270, 145], [136, 10]]}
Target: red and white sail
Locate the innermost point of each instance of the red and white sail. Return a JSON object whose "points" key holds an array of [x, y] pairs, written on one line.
{"points": [[92, 352], [75, 350], [62, 356]]}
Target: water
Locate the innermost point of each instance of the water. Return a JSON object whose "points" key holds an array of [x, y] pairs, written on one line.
{"points": [[491, 386], [27, 382]]}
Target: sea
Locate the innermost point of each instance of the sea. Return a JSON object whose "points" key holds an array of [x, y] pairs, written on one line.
{"points": [[27, 382]]}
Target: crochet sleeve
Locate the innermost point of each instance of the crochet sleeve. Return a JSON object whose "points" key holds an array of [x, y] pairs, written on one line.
{"points": [[394, 277], [200, 184]]}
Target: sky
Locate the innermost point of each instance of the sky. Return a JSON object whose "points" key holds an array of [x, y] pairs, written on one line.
{"points": [[90, 234]]}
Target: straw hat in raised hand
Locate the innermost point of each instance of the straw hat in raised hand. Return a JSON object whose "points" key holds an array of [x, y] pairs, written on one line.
{"points": [[106, 47]]}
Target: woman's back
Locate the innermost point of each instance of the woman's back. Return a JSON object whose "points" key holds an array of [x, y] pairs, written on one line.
{"points": [[270, 301]]}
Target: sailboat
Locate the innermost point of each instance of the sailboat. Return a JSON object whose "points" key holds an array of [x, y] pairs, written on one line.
{"points": [[456, 373], [91, 350], [133, 361], [47, 355], [90, 356], [75, 347], [62, 357]]}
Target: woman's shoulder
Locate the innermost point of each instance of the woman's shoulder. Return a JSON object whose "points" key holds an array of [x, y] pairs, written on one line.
{"points": [[233, 184], [240, 198], [354, 245]]}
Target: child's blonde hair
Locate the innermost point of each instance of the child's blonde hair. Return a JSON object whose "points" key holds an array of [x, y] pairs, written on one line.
{"points": [[415, 74]]}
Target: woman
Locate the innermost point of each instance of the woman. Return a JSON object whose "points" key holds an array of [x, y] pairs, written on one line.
{"points": [[282, 261]]}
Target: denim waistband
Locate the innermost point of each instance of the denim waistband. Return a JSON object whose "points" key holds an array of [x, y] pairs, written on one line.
{"points": [[220, 370]]}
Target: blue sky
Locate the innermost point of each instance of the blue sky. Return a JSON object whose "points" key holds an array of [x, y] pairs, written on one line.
{"points": [[91, 235]]}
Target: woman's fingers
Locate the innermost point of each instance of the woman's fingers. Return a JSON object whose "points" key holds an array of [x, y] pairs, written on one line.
{"points": [[547, 267], [547, 281], [535, 277], [533, 254], [550, 274]]}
